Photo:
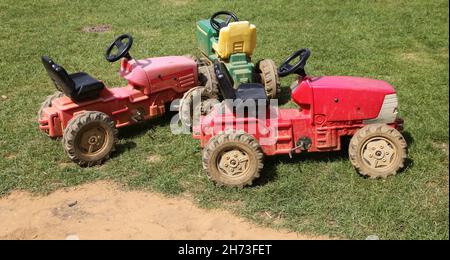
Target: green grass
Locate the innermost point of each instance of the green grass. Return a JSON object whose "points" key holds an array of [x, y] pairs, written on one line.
{"points": [[402, 42]]}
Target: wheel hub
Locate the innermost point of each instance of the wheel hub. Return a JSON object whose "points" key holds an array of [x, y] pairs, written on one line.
{"points": [[233, 162], [92, 140], [378, 153]]}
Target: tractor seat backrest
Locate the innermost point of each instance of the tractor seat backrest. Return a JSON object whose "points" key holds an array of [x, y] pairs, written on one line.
{"points": [[224, 80], [59, 76], [78, 86], [237, 37], [245, 91]]}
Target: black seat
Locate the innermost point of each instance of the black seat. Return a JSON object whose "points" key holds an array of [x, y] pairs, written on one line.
{"points": [[78, 86], [253, 91], [245, 91]]}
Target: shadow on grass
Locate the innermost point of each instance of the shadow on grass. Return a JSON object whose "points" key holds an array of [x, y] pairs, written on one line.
{"points": [[139, 129], [408, 138], [409, 163], [269, 172], [142, 128], [121, 148]]}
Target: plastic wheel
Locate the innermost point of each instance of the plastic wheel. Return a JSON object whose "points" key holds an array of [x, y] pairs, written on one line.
{"points": [[90, 138], [378, 151], [233, 158], [269, 77], [190, 111]]}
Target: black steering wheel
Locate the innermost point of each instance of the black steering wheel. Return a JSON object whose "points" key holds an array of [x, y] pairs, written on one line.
{"points": [[123, 44], [217, 25], [298, 68]]}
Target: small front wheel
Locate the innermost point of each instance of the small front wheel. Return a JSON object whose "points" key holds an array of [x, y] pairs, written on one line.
{"points": [[233, 158], [269, 77], [378, 151], [90, 138]]}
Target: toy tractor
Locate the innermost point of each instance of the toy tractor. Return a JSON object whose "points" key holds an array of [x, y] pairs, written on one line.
{"points": [[223, 37], [329, 108], [86, 113], [233, 42]]}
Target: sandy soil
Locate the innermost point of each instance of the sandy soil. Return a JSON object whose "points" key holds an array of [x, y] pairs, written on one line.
{"points": [[103, 211]]}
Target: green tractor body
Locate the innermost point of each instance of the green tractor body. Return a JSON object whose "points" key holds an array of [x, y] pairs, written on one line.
{"points": [[206, 36], [231, 43], [239, 65]]}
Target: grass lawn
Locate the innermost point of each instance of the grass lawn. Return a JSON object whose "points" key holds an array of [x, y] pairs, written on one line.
{"points": [[402, 42]]}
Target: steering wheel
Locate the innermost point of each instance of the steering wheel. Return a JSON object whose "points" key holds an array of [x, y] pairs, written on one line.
{"points": [[123, 44], [299, 68], [217, 25]]}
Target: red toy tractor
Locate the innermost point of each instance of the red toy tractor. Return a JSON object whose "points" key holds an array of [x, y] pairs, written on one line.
{"points": [[87, 114], [329, 108]]}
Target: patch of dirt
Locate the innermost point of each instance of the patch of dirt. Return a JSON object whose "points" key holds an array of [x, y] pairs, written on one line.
{"points": [[410, 56], [442, 146], [153, 158], [97, 28], [65, 164], [104, 211], [421, 57], [10, 156]]}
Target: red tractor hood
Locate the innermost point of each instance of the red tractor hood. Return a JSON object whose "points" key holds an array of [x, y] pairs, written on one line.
{"points": [[345, 83], [161, 73], [342, 98]]}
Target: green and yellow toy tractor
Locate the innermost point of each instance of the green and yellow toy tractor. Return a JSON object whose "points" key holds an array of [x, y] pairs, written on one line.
{"points": [[226, 39], [223, 37]]}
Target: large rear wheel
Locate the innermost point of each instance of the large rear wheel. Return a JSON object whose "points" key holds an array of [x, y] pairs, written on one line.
{"points": [[269, 77], [90, 138], [195, 102], [208, 80]]}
